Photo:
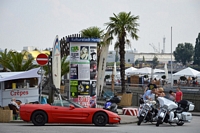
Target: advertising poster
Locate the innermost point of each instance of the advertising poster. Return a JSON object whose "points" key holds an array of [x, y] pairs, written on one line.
{"points": [[93, 70], [93, 102], [84, 100], [84, 53], [93, 87], [74, 53], [83, 87], [73, 71], [83, 71], [93, 62], [74, 88], [93, 53]]}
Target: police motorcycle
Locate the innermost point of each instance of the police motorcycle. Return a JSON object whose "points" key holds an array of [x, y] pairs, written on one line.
{"points": [[147, 111], [171, 112], [111, 104]]}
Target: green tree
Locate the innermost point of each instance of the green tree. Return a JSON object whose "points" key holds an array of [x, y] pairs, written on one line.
{"points": [[121, 25], [136, 62], [4, 59], [155, 62], [16, 61], [64, 66], [143, 59], [184, 53], [196, 51]]}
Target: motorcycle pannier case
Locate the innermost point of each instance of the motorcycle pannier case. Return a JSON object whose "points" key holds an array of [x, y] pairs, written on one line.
{"points": [[186, 116], [191, 107]]}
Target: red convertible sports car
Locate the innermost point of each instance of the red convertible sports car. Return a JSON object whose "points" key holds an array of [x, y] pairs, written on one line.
{"points": [[66, 111]]}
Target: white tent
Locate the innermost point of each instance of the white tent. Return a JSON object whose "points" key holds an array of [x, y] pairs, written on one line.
{"points": [[198, 75], [187, 72], [147, 71], [130, 70], [33, 73]]}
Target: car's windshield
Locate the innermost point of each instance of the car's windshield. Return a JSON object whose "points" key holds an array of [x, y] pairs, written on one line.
{"points": [[66, 103]]}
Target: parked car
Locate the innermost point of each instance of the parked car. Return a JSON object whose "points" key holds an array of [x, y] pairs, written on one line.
{"points": [[66, 111]]}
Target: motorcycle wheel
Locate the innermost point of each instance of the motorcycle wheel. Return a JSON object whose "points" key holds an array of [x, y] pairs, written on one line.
{"points": [[140, 120], [159, 121], [180, 123]]}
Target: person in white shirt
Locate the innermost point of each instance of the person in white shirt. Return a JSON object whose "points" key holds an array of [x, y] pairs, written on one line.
{"points": [[13, 102]]}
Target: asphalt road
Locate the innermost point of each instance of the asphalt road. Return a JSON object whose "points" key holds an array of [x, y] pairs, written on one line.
{"points": [[192, 127]]}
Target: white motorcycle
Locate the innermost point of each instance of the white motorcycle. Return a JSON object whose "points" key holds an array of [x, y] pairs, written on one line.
{"points": [[171, 112], [147, 111]]}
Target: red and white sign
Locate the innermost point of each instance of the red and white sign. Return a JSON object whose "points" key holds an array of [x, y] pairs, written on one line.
{"points": [[84, 100], [130, 111], [42, 59]]}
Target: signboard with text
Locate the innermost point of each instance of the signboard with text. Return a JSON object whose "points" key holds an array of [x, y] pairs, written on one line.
{"points": [[83, 70]]}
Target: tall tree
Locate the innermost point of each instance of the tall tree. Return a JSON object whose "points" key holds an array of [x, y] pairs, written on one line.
{"points": [[4, 59], [184, 53], [155, 62], [196, 51], [121, 25]]}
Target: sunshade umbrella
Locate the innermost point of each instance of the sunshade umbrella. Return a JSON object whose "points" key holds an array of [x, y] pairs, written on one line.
{"points": [[187, 72]]}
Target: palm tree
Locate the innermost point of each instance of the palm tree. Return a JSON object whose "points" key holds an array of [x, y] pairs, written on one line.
{"points": [[4, 59], [121, 25], [15, 61]]}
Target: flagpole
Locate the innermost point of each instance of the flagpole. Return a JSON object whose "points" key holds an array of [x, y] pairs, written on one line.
{"points": [[171, 63]]}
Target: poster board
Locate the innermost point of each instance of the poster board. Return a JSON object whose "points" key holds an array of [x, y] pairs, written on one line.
{"points": [[83, 70]]}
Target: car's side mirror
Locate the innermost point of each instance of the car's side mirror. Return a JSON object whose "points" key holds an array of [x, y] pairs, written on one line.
{"points": [[71, 107]]}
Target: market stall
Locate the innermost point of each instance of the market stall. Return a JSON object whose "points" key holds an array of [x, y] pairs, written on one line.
{"points": [[23, 86]]}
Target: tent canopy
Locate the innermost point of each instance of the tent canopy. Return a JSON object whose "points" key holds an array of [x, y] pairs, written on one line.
{"points": [[33, 73], [147, 71], [187, 72], [130, 69]]}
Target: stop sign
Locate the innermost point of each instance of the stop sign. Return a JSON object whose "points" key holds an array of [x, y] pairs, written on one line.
{"points": [[42, 59]]}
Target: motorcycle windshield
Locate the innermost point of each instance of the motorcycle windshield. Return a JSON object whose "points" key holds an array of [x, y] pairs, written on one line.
{"points": [[166, 102]]}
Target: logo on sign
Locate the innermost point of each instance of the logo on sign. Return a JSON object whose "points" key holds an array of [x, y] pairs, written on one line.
{"points": [[18, 93]]}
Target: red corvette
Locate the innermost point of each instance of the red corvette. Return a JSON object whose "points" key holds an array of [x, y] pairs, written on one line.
{"points": [[69, 112]]}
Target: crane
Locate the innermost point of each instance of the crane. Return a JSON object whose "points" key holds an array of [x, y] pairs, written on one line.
{"points": [[155, 49]]}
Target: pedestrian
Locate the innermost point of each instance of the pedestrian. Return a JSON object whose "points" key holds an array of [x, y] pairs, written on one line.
{"points": [[13, 102], [150, 86], [172, 95], [160, 92], [179, 94]]}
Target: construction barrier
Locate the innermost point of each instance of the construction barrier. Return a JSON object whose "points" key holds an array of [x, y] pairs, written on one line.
{"points": [[130, 111]]}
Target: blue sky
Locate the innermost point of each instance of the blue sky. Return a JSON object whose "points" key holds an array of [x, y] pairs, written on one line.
{"points": [[37, 22]]}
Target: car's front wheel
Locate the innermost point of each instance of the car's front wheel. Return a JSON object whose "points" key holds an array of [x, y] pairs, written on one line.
{"points": [[100, 119], [39, 118]]}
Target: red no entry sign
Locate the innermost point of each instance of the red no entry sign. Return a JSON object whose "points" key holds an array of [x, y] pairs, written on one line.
{"points": [[42, 59]]}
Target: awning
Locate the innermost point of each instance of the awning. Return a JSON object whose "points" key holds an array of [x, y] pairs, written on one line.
{"points": [[33, 73]]}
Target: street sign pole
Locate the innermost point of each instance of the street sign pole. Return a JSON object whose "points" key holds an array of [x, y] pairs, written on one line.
{"points": [[40, 96], [42, 59]]}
